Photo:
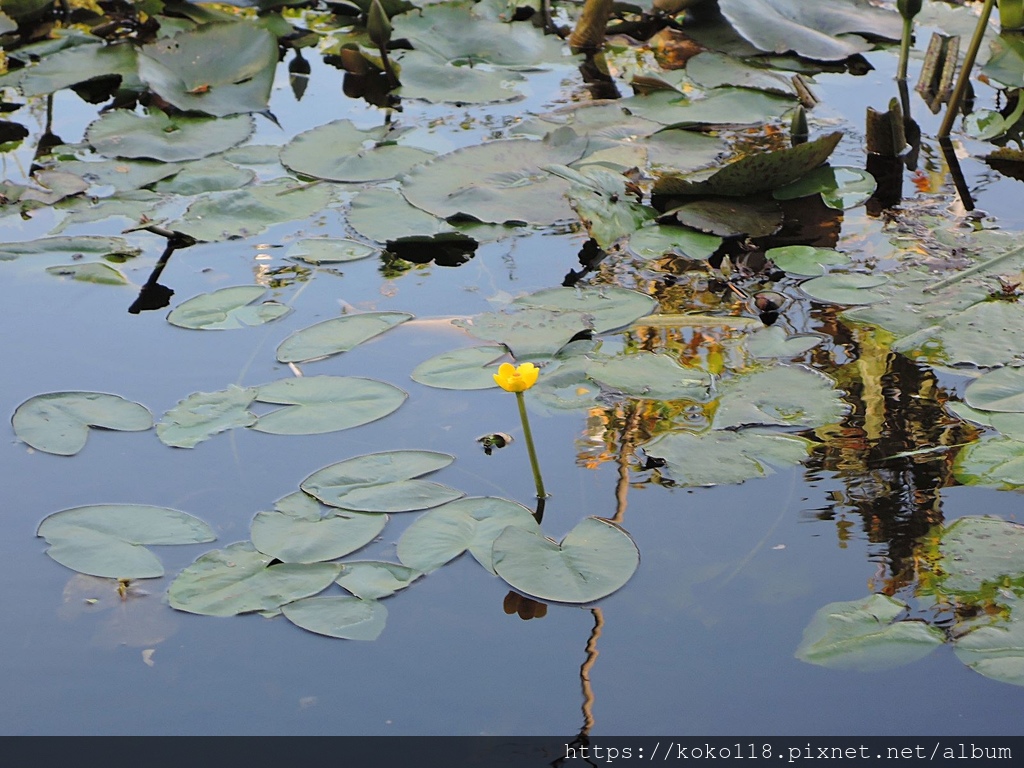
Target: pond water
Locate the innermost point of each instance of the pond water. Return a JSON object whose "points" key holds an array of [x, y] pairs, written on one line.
{"points": [[701, 640]]}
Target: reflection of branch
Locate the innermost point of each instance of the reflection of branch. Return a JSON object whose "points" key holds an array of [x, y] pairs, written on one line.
{"points": [[627, 446], [588, 664], [153, 295], [959, 181]]}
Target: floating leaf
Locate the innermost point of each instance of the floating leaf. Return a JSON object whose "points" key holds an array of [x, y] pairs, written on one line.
{"points": [[650, 376], [848, 289], [713, 70], [211, 175], [374, 580], [984, 335], [337, 335], [335, 151], [720, 106], [531, 331], [805, 259], [1001, 390], [382, 482], [782, 395], [318, 404], [719, 457], [996, 651], [772, 342], [220, 69], [383, 214], [865, 635], [812, 31], [329, 250], [122, 175], [158, 136], [595, 559], [840, 188], [660, 240], [347, 618], [603, 204], [300, 531], [79, 64], [109, 540], [727, 217], [610, 307], [761, 172], [237, 579], [430, 79], [994, 461], [227, 308], [976, 551], [90, 272], [59, 422], [466, 368], [444, 533], [204, 414], [74, 247]]}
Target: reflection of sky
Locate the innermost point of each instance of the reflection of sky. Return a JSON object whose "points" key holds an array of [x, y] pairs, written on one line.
{"points": [[700, 641]]}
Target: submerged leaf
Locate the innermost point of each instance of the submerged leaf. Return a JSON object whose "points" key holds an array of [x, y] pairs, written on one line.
{"points": [[59, 422]]}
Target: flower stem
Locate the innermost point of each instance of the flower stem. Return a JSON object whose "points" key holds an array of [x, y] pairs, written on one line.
{"points": [[538, 481], [908, 31]]}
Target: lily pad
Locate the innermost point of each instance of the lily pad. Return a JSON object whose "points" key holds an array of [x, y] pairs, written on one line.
{"points": [[59, 422], [335, 151], [730, 217], [995, 651], [383, 214], [1001, 390], [329, 250], [157, 136], [226, 309], [751, 175], [719, 106], [849, 289], [814, 31], [90, 272], [237, 579], [772, 342], [840, 188], [77, 65], [609, 307], [375, 580], [122, 175], [109, 540], [249, 211], [805, 259], [981, 550], [865, 635], [75, 247], [724, 456], [431, 79], [204, 414], [444, 533], [466, 368], [530, 331], [595, 559], [650, 376], [993, 461], [499, 181], [318, 404], [604, 206], [984, 334], [347, 618], [782, 395], [300, 531], [382, 482], [660, 240], [210, 175], [220, 69], [713, 70], [337, 335]]}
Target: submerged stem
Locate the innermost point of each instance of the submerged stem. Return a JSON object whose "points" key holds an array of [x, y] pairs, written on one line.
{"points": [[538, 481]]}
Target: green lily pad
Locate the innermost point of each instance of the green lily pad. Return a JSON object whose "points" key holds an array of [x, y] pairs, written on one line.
{"points": [[995, 651], [444, 533], [499, 181], [840, 188], [335, 151], [531, 331], [157, 136], [865, 635], [848, 289], [610, 307], [713, 70], [383, 214], [249, 211], [110, 540], [220, 69], [650, 376], [300, 531], [340, 334], [604, 206], [210, 175], [131, 206], [984, 334], [595, 559], [58, 422], [1007, 424], [466, 368], [981, 550], [782, 395], [772, 342], [431, 79], [814, 31], [122, 175], [202, 415], [77, 65], [805, 259], [723, 456], [347, 618], [76, 247], [753, 174], [90, 272], [993, 461], [660, 240], [382, 482], [375, 580], [1001, 390], [226, 309], [315, 405], [329, 250], [728, 217], [237, 579], [719, 106]]}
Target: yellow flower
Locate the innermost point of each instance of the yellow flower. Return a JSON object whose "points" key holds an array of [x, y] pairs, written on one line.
{"points": [[513, 379]]}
